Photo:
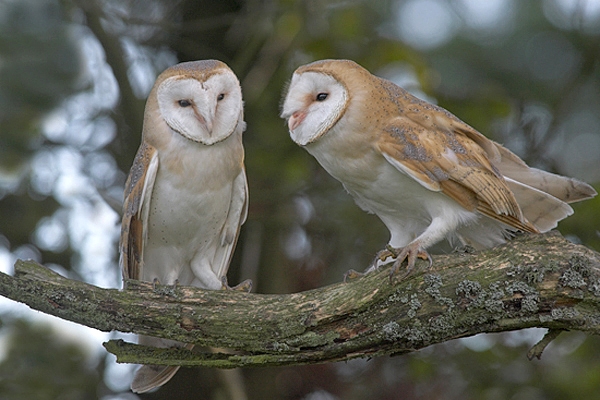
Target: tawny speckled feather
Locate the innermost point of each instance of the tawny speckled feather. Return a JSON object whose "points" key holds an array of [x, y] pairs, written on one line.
{"points": [[139, 183]]}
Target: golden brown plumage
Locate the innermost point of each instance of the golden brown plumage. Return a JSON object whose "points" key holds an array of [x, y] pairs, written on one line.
{"points": [[424, 172], [132, 226]]}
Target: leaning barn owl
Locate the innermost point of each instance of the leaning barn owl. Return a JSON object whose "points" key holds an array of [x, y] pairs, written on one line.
{"points": [[426, 174], [186, 195]]}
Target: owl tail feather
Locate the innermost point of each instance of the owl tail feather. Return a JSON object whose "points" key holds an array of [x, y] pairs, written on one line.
{"points": [[569, 190], [540, 208], [149, 377], [543, 197]]}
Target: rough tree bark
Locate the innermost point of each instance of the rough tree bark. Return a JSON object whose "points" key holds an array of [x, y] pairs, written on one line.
{"points": [[534, 281]]}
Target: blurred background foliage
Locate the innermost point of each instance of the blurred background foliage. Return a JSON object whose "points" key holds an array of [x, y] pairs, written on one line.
{"points": [[74, 75]]}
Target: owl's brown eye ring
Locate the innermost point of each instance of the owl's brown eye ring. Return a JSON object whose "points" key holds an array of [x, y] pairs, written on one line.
{"points": [[322, 96], [220, 96], [184, 103]]}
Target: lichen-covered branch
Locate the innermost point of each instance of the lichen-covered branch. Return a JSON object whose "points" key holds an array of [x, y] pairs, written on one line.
{"points": [[534, 281]]}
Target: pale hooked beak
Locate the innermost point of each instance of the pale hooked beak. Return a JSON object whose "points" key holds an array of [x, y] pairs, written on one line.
{"points": [[207, 122], [296, 119]]}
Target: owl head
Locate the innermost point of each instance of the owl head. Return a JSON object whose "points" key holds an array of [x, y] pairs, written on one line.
{"points": [[199, 100], [320, 94]]}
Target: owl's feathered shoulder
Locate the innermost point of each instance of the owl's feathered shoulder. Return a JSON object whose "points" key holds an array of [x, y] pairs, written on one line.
{"points": [[138, 189]]}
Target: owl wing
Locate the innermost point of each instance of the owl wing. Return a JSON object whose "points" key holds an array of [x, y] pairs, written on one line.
{"points": [[450, 157], [238, 211], [138, 192]]}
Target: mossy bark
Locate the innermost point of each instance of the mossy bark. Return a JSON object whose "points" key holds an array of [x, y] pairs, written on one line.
{"points": [[534, 281]]}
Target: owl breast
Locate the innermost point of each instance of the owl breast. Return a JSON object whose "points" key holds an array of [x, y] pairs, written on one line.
{"points": [[189, 206]]}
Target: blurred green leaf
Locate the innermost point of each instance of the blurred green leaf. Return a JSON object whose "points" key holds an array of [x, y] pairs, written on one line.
{"points": [[41, 65], [39, 364]]}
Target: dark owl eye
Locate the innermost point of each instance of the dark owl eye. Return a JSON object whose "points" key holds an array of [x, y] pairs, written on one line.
{"points": [[184, 103], [221, 97], [322, 96]]}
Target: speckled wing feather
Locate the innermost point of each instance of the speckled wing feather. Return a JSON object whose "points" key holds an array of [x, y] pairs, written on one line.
{"points": [[566, 189], [238, 211], [450, 161], [138, 190]]}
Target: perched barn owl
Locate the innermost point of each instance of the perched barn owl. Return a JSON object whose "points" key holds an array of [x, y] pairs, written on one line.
{"points": [[186, 195], [426, 174]]}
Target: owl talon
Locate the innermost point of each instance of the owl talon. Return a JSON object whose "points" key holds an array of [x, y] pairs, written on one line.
{"points": [[409, 253], [383, 255], [245, 286], [352, 274], [393, 252]]}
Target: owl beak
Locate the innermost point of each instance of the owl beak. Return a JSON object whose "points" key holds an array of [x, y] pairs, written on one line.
{"points": [[296, 119], [207, 122], [209, 125]]}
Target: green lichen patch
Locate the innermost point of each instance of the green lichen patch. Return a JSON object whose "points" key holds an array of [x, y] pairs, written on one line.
{"points": [[468, 289], [472, 295], [594, 286], [278, 347], [565, 313], [525, 299], [432, 284], [529, 305], [580, 264], [414, 305], [532, 275], [391, 331], [493, 301], [442, 325], [572, 279], [416, 335], [520, 287]]}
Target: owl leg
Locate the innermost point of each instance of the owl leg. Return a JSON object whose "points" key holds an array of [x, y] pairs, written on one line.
{"points": [[439, 227], [436, 231]]}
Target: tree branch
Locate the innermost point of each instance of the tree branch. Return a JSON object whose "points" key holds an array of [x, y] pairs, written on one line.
{"points": [[534, 281]]}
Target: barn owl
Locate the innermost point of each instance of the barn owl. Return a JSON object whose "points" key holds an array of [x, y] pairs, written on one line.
{"points": [[426, 174], [186, 195]]}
